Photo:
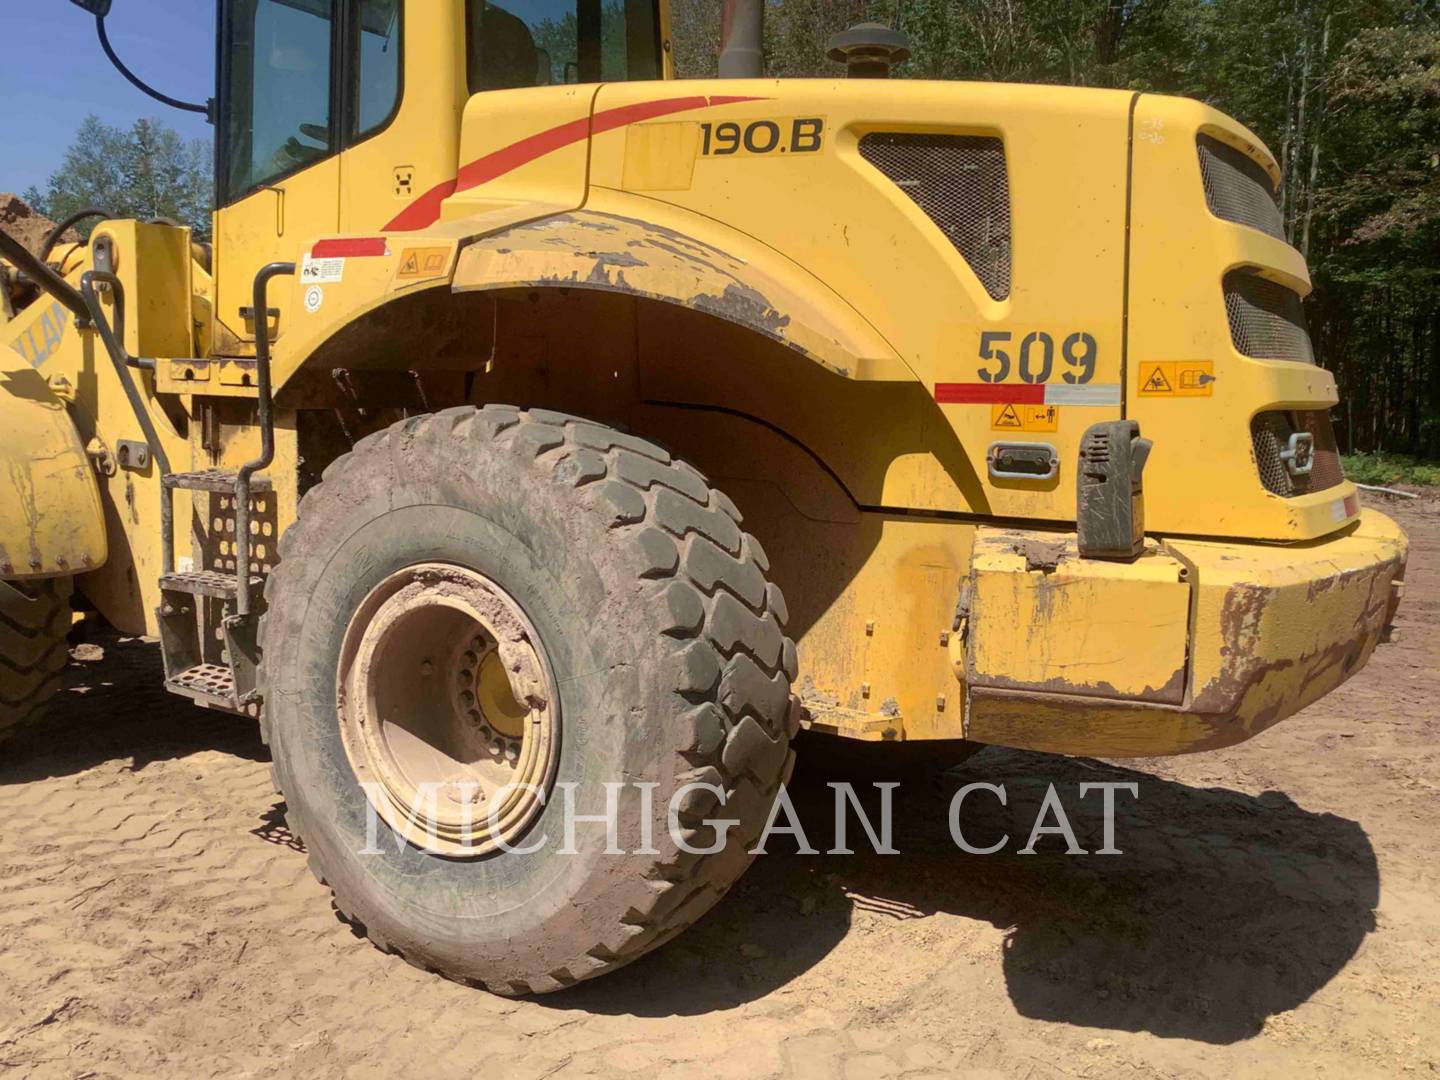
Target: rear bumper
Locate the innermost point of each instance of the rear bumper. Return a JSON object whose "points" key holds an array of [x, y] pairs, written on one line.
{"points": [[1198, 645]]}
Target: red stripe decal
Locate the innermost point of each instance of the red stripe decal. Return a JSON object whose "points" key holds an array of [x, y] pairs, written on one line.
{"points": [[969, 393], [520, 153], [367, 247], [425, 210]]}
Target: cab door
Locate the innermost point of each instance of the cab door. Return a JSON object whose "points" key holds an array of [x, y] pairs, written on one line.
{"points": [[278, 171]]}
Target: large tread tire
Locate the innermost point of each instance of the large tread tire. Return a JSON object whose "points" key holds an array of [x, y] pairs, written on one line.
{"points": [[33, 649], [639, 565]]}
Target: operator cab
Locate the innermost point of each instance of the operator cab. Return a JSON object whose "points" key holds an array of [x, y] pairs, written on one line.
{"points": [[300, 80], [333, 115]]}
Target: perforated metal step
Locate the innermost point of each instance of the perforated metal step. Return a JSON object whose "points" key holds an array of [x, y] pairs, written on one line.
{"points": [[207, 583], [218, 480], [209, 684]]}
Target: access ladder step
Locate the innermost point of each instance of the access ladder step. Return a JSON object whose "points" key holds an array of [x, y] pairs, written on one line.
{"points": [[208, 583], [207, 684], [217, 480]]}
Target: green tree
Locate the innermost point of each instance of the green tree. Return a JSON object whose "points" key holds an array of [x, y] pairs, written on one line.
{"points": [[695, 37], [1376, 239], [145, 172]]}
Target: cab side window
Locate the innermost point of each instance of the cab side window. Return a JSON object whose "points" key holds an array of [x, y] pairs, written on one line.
{"points": [[516, 43], [375, 83], [278, 89], [282, 62]]}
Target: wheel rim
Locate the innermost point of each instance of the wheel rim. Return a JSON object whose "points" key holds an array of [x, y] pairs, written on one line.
{"points": [[448, 710]]}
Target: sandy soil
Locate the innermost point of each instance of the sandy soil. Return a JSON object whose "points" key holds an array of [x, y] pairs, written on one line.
{"points": [[20, 220], [1275, 912]]}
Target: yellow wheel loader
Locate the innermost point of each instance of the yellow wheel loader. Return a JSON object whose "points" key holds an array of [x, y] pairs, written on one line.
{"points": [[544, 439]]}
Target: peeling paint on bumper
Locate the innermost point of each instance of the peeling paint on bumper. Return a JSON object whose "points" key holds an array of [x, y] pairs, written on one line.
{"points": [[1272, 629]]}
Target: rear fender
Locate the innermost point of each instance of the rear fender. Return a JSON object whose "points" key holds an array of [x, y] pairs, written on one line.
{"points": [[644, 251]]}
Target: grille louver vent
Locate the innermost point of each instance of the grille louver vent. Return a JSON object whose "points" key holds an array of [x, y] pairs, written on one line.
{"points": [[1238, 189], [1267, 320], [961, 184]]}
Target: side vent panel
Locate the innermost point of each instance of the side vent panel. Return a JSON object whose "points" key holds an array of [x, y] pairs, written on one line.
{"points": [[1316, 468], [1267, 320], [961, 184], [1238, 189]]}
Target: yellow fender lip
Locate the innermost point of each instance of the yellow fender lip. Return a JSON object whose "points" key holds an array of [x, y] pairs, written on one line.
{"points": [[612, 252]]}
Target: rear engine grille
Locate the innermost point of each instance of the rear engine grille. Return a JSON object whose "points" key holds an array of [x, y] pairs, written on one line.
{"points": [[961, 184], [1270, 435], [1238, 189], [1266, 319]]}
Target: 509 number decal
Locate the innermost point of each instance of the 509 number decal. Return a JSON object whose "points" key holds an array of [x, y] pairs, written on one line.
{"points": [[1035, 357], [798, 135]]}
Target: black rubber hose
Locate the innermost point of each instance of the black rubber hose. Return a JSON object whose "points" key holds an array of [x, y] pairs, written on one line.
{"points": [[53, 237], [42, 275], [138, 83]]}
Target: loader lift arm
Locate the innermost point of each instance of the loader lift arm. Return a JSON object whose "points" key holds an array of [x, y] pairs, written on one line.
{"points": [[41, 274]]}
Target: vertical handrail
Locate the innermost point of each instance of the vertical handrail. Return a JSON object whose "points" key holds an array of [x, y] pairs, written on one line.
{"points": [[267, 434]]}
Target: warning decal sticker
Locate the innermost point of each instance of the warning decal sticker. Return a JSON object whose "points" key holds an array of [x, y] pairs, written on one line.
{"points": [[1156, 382], [1013, 417], [315, 271], [1177, 378], [423, 262]]}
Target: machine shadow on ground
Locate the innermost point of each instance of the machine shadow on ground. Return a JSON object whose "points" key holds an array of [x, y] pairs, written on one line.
{"points": [[117, 709], [1224, 909]]}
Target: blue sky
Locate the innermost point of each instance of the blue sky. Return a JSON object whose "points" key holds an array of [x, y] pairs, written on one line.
{"points": [[53, 74]]}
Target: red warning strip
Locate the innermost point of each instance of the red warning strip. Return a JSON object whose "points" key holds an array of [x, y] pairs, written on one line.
{"points": [[961, 393], [425, 210], [353, 248], [979, 393]]}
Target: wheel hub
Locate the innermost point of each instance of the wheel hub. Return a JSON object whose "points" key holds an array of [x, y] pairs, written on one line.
{"points": [[448, 710]]}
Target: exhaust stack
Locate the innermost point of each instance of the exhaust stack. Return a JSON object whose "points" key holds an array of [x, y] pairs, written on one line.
{"points": [[869, 50], [742, 24]]}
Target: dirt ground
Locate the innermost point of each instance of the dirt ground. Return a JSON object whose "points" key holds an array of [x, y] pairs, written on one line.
{"points": [[20, 220], [1276, 911]]}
